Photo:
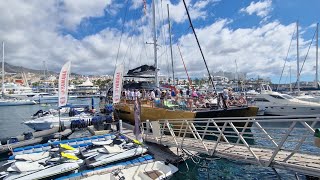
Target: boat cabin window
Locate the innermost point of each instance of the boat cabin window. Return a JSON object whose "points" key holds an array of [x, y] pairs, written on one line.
{"points": [[261, 100], [276, 96]]}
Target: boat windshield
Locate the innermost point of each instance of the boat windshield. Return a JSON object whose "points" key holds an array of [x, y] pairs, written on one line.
{"points": [[287, 96]]}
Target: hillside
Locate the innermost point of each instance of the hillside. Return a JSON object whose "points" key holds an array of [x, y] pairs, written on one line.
{"points": [[18, 69]]}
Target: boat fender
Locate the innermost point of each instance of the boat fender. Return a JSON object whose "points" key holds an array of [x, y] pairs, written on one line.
{"points": [[13, 140], [317, 137]]}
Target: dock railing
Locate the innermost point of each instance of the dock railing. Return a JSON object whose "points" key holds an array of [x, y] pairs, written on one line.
{"points": [[275, 141]]}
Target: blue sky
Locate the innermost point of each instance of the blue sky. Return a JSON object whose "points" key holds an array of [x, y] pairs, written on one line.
{"points": [[256, 34]]}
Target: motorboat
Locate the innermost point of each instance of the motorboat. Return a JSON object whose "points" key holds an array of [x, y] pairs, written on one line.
{"points": [[113, 155], [146, 171], [43, 120], [42, 171], [16, 102], [41, 165], [107, 169], [276, 103]]}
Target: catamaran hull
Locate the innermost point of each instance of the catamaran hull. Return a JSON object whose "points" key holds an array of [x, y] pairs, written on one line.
{"points": [[231, 112], [126, 112]]}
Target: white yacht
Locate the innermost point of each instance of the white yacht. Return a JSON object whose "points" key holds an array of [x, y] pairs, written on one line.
{"points": [[279, 104], [15, 102], [50, 119]]}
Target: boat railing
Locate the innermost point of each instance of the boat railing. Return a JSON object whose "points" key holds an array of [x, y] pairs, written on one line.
{"points": [[284, 137]]}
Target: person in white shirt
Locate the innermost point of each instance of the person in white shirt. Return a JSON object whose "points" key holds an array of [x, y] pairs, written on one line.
{"points": [[127, 93], [152, 95], [132, 94]]}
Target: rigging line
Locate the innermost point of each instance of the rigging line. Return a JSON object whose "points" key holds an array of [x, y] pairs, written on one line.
{"points": [[139, 55], [127, 49], [194, 32], [130, 45], [305, 58], [285, 61], [122, 29], [185, 68]]}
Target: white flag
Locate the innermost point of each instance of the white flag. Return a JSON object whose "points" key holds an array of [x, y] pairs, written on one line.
{"points": [[117, 83], [64, 83]]}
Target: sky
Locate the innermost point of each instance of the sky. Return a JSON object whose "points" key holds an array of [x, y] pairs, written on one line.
{"points": [[235, 36]]}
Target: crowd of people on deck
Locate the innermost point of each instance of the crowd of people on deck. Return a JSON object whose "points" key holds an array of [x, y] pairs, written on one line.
{"points": [[189, 98]]}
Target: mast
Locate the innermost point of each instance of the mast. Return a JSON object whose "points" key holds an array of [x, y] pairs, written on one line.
{"points": [[317, 44], [170, 44], [235, 61], [298, 68], [194, 32], [155, 42], [290, 86], [2, 68], [44, 76]]}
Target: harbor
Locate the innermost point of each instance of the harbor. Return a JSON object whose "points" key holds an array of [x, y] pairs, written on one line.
{"points": [[152, 90], [187, 143]]}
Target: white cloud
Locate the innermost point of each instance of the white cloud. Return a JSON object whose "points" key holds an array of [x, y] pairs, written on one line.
{"points": [[32, 35], [72, 12], [260, 8], [197, 10], [259, 51]]}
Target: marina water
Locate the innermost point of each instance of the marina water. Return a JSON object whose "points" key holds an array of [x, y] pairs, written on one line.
{"points": [[11, 124]]}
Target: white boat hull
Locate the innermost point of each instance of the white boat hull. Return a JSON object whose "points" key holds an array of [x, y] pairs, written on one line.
{"points": [[151, 170], [48, 122], [109, 158], [45, 173], [290, 110]]}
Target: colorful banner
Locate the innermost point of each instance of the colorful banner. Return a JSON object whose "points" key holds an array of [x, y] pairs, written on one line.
{"points": [[64, 83], [117, 83]]}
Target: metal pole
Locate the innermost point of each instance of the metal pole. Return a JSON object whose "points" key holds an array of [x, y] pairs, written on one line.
{"points": [[237, 73], [290, 80], [317, 44], [194, 32], [170, 44], [155, 42], [44, 76], [2, 69], [298, 68]]}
